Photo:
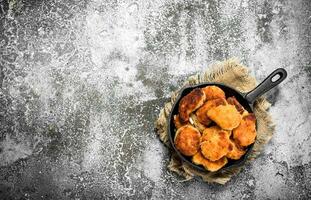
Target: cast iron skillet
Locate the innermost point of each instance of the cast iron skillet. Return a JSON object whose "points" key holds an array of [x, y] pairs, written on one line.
{"points": [[245, 99]]}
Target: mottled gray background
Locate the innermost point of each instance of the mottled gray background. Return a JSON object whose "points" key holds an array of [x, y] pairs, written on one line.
{"points": [[81, 83]]}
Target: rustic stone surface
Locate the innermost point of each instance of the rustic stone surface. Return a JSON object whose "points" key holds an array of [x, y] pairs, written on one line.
{"points": [[81, 83]]}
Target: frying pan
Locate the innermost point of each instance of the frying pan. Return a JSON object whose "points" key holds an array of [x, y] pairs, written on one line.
{"points": [[245, 99]]}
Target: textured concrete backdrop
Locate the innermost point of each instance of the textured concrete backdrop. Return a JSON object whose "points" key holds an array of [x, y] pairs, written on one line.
{"points": [[81, 83]]}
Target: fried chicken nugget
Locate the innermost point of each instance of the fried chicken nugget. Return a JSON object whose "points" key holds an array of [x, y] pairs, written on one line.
{"points": [[209, 132], [187, 140], [245, 133], [233, 101], [190, 103], [212, 166], [213, 92], [227, 117], [214, 143], [235, 151], [202, 111]]}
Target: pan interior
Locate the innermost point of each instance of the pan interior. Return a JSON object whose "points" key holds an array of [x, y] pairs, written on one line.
{"points": [[229, 92]]}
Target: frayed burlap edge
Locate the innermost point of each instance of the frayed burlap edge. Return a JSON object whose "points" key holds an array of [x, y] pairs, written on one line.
{"points": [[234, 74]]}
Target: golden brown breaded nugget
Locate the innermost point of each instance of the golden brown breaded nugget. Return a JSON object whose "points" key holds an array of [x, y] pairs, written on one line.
{"points": [[187, 140], [190, 103], [245, 133], [227, 117], [235, 151], [212, 166], [177, 122], [213, 92], [210, 132], [202, 111], [215, 144], [232, 100]]}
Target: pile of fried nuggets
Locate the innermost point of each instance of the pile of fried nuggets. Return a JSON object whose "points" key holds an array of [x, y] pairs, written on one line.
{"points": [[212, 129]]}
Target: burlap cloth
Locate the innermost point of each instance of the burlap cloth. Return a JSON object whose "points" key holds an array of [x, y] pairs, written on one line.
{"points": [[232, 73]]}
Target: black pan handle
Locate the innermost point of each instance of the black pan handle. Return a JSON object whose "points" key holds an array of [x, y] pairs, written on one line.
{"points": [[266, 85]]}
